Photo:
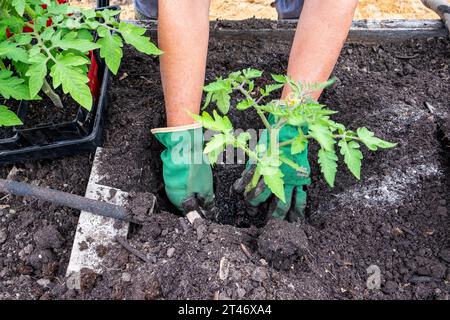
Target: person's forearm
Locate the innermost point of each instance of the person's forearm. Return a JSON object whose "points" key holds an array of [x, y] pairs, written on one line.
{"points": [[321, 32], [183, 31]]}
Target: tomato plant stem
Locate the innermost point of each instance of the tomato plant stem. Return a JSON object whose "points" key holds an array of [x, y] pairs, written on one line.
{"points": [[47, 89], [30, 11]]}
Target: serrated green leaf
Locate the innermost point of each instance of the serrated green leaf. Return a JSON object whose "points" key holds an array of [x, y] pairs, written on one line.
{"points": [[352, 156], [37, 73], [23, 39], [244, 104], [218, 123], [272, 87], [222, 99], [134, 36], [279, 78], [12, 52], [13, 87], [275, 182], [72, 60], [82, 45], [373, 143], [217, 142], [111, 51], [74, 81], [243, 138], [205, 119], [207, 100], [328, 165], [251, 73], [19, 6], [8, 118], [217, 85], [89, 13], [323, 136], [299, 143]]}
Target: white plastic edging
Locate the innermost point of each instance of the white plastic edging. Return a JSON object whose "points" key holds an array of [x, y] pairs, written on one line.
{"points": [[94, 231]]}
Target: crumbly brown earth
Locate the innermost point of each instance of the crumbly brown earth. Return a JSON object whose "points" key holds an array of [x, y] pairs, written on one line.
{"points": [[395, 218]]}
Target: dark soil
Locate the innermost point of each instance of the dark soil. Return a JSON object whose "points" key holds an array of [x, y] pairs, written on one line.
{"points": [[44, 112], [36, 237], [395, 218]]}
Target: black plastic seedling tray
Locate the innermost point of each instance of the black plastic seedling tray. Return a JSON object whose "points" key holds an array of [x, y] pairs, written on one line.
{"points": [[82, 134]]}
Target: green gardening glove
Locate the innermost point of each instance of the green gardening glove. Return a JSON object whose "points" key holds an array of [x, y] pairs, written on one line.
{"points": [[294, 182], [186, 173]]}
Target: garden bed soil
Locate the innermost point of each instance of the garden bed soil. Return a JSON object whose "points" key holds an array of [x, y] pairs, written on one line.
{"points": [[44, 112], [395, 218]]}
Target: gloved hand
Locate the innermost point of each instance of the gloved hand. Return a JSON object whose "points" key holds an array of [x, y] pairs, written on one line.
{"points": [[187, 176], [294, 181]]}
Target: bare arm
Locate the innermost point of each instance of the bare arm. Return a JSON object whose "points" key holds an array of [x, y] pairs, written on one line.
{"points": [[321, 33], [183, 33]]}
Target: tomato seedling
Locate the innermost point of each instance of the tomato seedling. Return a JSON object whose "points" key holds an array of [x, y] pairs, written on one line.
{"points": [[46, 44], [299, 111]]}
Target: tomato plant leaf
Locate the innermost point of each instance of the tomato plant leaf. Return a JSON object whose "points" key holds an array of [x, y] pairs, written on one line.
{"points": [[373, 143], [244, 104], [8, 118], [352, 156], [73, 80], [13, 87], [19, 6], [328, 165], [275, 182], [134, 35], [12, 52], [37, 73], [217, 142], [111, 50], [323, 136], [299, 143]]}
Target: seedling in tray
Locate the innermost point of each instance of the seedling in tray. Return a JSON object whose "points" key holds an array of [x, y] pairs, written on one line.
{"points": [[48, 44], [299, 111]]}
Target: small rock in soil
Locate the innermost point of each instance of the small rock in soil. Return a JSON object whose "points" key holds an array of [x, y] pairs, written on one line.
{"points": [[445, 255], [260, 274], [224, 268], [282, 243], [48, 238], [43, 282], [25, 252], [240, 292], [170, 252], [3, 236], [201, 230], [126, 277], [438, 270]]}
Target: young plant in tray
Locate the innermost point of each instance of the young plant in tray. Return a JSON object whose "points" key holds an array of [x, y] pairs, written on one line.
{"points": [[48, 44], [311, 119]]}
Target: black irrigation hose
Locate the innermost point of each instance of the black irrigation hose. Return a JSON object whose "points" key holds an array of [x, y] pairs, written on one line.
{"points": [[64, 199]]}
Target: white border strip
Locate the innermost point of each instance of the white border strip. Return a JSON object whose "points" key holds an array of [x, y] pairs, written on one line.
{"points": [[94, 231]]}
